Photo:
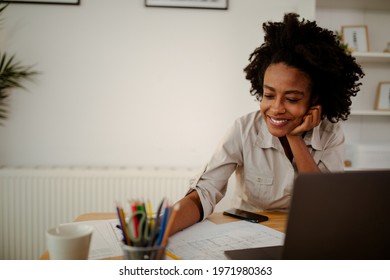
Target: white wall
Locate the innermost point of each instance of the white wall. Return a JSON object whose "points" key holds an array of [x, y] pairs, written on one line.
{"points": [[126, 85]]}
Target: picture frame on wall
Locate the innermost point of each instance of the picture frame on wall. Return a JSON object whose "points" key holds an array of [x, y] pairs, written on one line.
{"points": [[383, 96], [197, 4], [57, 2], [355, 37]]}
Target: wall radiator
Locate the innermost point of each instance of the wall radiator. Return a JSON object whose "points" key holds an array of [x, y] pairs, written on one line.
{"points": [[32, 200]]}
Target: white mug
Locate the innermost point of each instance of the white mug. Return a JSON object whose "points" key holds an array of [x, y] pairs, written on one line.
{"points": [[69, 241]]}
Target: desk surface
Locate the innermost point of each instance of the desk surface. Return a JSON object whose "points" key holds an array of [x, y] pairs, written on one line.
{"points": [[277, 221]]}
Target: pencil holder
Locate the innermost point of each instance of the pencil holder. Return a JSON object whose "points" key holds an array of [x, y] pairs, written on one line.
{"points": [[143, 253]]}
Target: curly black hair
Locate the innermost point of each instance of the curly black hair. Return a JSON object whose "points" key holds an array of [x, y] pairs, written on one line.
{"points": [[316, 51]]}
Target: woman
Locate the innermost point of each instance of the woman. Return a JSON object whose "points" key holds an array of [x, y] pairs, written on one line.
{"points": [[304, 81]]}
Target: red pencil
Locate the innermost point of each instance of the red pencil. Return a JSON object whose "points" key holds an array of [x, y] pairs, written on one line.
{"points": [[135, 219]]}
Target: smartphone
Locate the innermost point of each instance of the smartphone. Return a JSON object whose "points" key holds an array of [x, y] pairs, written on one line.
{"points": [[245, 215]]}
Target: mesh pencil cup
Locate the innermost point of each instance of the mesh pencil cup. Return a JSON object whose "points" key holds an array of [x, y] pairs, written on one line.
{"points": [[143, 253]]}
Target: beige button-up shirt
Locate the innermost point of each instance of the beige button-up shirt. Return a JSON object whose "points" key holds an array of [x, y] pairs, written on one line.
{"points": [[264, 174]]}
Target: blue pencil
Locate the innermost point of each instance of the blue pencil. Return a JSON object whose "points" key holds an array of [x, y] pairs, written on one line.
{"points": [[156, 224], [163, 225]]}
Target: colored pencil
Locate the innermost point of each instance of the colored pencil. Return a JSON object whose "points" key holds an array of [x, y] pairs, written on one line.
{"points": [[163, 225], [168, 228], [122, 221]]}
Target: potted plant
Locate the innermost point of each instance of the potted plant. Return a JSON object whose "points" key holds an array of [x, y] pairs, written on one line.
{"points": [[12, 74]]}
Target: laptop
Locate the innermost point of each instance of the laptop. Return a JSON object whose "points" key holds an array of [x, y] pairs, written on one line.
{"points": [[334, 216]]}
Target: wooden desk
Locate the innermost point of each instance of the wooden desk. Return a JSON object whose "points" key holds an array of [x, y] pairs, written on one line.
{"points": [[277, 221]]}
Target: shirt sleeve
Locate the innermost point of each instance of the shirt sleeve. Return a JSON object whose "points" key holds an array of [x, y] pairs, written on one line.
{"points": [[212, 182]]}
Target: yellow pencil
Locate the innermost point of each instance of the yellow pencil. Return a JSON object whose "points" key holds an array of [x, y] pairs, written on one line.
{"points": [[123, 218], [150, 213], [172, 256]]}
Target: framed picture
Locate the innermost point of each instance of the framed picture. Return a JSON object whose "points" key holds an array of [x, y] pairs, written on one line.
{"points": [[59, 2], [356, 37], [383, 96], [199, 4]]}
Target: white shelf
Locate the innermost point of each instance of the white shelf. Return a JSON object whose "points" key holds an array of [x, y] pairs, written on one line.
{"points": [[347, 169], [378, 57], [355, 4], [369, 113]]}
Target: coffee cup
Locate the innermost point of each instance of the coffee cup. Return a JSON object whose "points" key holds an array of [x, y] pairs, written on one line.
{"points": [[69, 241]]}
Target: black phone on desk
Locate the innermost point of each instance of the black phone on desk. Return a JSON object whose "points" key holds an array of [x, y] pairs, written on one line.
{"points": [[245, 215]]}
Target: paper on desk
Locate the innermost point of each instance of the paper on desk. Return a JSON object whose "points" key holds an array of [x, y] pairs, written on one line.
{"points": [[106, 239], [206, 240]]}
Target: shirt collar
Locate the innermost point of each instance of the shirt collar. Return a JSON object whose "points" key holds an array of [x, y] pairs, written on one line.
{"points": [[266, 140]]}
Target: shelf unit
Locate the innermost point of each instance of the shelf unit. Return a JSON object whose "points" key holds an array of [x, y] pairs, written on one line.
{"points": [[367, 131], [365, 59], [376, 63], [381, 58]]}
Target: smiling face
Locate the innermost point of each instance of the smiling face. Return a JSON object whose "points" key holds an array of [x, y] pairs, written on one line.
{"points": [[286, 98]]}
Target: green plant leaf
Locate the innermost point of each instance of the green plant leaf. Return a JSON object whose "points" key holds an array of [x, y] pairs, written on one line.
{"points": [[12, 75]]}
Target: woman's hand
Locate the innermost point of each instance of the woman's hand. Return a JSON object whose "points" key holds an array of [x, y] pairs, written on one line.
{"points": [[303, 158], [310, 120]]}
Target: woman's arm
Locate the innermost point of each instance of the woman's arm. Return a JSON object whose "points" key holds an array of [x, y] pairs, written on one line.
{"points": [[303, 159], [190, 212]]}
